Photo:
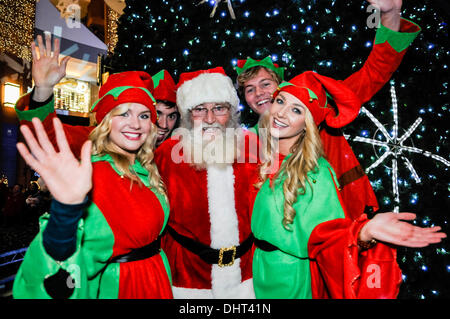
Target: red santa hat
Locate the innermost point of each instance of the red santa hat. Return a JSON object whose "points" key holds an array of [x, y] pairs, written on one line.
{"points": [[165, 89], [314, 90], [205, 86], [125, 87]]}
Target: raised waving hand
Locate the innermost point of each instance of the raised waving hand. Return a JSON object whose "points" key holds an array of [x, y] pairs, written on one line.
{"points": [[68, 179], [47, 69]]}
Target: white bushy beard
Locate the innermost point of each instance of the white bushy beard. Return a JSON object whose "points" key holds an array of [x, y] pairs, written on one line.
{"points": [[202, 148]]}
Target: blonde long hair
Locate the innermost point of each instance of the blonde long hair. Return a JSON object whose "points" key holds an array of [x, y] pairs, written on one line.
{"points": [[102, 145], [306, 152]]}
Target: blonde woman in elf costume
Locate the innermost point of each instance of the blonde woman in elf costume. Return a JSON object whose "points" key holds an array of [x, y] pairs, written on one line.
{"points": [[102, 242], [307, 247], [257, 80]]}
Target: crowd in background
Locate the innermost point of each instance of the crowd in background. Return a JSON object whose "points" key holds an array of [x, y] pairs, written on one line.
{"points": [[20, 208]]}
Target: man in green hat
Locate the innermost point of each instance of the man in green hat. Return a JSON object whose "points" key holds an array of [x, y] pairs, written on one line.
{"points": [[258, 79]]}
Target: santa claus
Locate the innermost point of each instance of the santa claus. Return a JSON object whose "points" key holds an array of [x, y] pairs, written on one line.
{"points": [[210, 177]]}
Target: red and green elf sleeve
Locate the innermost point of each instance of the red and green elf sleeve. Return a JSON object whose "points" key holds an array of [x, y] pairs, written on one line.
{"points": [[385, 57], [319, 256], [76, 135], [93, 249], [339, 270], [118, 219], [389, 48]]}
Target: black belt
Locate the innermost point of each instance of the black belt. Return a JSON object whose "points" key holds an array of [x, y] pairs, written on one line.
{"points": [[222, 257], [139, 253], [265, 245]]}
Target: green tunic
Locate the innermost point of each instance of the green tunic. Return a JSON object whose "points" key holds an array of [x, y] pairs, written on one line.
{"points": [[285, 273], [117, 220]]}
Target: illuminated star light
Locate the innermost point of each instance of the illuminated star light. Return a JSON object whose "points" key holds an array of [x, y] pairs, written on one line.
{"points": [[394, 146]]}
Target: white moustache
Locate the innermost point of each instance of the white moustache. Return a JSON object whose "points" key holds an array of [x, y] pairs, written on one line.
{"points": [[210, 144]]}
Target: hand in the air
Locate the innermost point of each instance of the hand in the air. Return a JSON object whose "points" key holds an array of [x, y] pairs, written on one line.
{"points": [[68, 179], [387, 5], [47, 69], [390, 12]]}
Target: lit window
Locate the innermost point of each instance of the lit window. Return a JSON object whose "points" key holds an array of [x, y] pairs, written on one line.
{"points": [[72, 95], [12, 94]]}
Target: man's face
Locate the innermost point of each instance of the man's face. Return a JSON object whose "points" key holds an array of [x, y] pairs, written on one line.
{"points": [[212, 117], [211, 138], [16, 189], [167, 119], [258, 91]]}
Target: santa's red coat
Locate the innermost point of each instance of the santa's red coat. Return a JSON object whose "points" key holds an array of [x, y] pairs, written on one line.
{"points": [[212, 206]]}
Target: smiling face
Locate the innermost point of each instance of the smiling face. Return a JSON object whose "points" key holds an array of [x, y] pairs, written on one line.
{"points": [[167, 119], [212, 136], [287, 119], [258, 91], [130, 129], [211, 117]]}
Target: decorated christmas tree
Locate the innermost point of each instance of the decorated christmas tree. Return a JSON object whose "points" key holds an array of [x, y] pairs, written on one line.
{"points": [[401, 136]]}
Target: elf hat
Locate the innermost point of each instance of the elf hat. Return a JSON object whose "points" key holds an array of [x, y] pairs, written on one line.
{"points": [[244, 65], [313, 90], [165, 89], [205, 86], [125, 87]]}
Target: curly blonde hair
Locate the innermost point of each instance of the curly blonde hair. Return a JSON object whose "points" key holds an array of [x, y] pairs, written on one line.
{"points": [[306, 152], [102, 145]]}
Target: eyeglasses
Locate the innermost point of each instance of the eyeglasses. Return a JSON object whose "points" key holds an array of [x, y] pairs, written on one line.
{"points": [[219, 110]]}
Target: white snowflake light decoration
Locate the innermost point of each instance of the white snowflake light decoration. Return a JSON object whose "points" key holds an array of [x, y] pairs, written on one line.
{"points": [[394, 146]]}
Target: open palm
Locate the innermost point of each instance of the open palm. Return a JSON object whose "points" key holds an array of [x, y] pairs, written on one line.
{"points": [[68, 179], [47, 69], [392, 228]]}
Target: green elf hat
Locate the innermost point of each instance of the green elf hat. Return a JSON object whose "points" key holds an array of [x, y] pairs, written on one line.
{"points": [[314, 90], [125, 87], [243, 65]]}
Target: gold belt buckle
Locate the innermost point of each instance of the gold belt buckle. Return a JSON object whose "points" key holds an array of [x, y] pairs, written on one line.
{"points": [[222, 250]]}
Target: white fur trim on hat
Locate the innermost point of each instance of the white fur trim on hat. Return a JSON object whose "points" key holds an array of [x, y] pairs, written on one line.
{"points": [[206, 88]]}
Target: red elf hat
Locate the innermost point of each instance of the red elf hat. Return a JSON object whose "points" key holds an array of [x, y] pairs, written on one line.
{"points": [[314, 89], [165, 89], [125, 87]]}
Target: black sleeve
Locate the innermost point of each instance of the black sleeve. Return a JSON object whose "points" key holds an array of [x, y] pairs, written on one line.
{"points": [[60, 235], [35, 105]]}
